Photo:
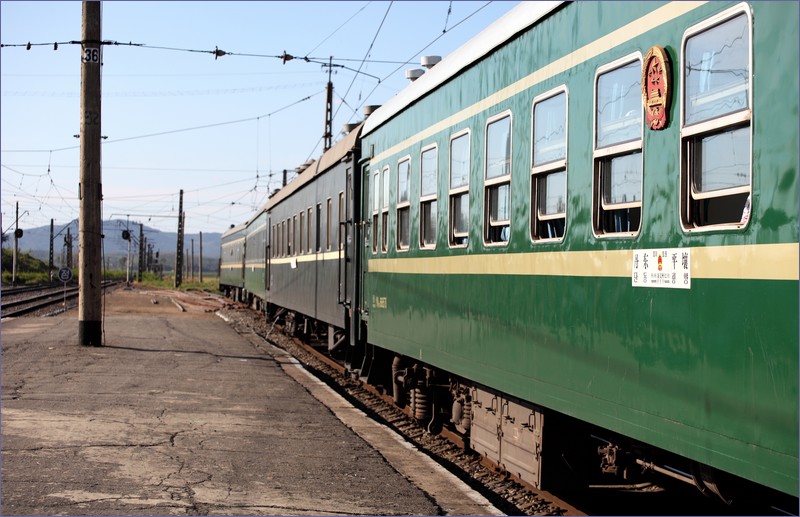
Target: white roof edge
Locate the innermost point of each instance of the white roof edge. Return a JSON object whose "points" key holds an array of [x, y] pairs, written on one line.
{"points": [[514, 21]]}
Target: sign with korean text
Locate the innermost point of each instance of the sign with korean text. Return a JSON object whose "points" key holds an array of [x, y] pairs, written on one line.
{"points": [[667, 268]]}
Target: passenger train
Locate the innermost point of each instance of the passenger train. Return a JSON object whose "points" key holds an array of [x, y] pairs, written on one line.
{"points": [[576, 233]]}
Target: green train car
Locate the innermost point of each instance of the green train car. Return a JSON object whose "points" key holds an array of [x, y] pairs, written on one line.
{"points": [[231, 262], [587, 218]]}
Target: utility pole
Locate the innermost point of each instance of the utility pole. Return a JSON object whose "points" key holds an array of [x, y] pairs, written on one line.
{"points": [[201, 257], [50, 265], [141, 251], [90, 191], [127, 237], [191, 263], [328, 136], [16, 250], [179, 251], [68, 248]]}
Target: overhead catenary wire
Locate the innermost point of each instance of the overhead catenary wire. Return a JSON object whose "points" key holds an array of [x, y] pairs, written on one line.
{"points": [[168, 132], [218, 53], [420, 51]]}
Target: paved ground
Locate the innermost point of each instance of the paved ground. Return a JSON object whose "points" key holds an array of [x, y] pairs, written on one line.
{"points": [[178, 414]]}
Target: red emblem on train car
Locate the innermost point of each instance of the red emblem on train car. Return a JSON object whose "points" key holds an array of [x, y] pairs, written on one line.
{"points": [[656, 88]]}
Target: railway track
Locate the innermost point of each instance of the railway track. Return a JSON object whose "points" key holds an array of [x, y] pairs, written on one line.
{"points": [[20, 301]]}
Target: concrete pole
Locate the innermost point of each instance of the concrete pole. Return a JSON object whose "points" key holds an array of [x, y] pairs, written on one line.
{"points": [[51, 265], [90, 191], [15, 250], [128, 261], [179, 251], [141, 251], [201, 257]]}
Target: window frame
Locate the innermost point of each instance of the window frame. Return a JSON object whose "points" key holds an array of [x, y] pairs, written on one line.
{"points": [[694, 133], [548, 168], [376, 207], [602, 156], [459, 191], [301, 249], [309, 225], [318, 236], [497, 182], [329, 215], [385, 196], [429, 199], [282, 232], [294, 235], [403, 206], [341, 219]]}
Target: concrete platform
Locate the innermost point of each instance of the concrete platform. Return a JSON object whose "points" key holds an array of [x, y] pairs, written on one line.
{"points": [[178, 414]]}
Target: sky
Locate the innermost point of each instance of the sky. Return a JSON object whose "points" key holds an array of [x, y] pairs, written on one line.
{"points": [[176, 118]]}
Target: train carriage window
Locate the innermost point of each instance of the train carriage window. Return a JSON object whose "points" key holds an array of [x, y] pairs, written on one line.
{"points": [[617, 192], [716, 122], [300, 249], [308, 230], [403, 204], [497, 180], [341, 221], [328, 225], [459, 190], [385, 212], [376, 208], [286, 227], [319, 228], [429, 161], [549, 166], [294, 235]]}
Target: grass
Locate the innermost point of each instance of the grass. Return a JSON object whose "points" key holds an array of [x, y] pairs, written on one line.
{"points": [[31, 271], [210, 282]]}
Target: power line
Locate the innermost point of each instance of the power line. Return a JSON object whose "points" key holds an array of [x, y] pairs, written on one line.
{"points": [[162, 133], [437, 38], [338, 28], [217, 52]]}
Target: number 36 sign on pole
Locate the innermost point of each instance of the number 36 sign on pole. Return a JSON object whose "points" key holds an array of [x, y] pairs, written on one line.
{"points": [[91, 55]]}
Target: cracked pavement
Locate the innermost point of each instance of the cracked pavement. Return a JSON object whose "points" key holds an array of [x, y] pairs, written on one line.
{"points": [[176, 415]]}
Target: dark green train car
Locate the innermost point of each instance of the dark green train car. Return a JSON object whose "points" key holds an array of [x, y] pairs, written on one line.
{"points": [[589, 213], [255, 259], [308, 270], [231, 261]]}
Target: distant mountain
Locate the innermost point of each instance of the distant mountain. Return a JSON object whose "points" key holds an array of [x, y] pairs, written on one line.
{"points": [[36, 241]]}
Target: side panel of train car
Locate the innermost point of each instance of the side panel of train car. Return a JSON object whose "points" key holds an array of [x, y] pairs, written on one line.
{"points": [[231, 273], [306, 266], [255, 261], [526, 224]]}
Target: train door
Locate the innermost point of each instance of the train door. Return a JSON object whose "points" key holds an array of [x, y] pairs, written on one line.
{"points": [[345, 243], [359, 245]]}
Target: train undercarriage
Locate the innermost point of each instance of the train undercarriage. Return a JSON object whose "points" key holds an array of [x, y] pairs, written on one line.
{"points": [[508, 433]]}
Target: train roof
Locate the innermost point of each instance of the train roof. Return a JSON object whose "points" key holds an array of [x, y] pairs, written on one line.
{"points": [[330, 158], [516, 20], [234, 229]]}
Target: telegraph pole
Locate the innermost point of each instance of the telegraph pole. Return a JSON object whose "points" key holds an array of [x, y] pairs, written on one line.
{"points": [[68, 246], [15, 250], [201, 257], [179, 252], [90, 192], [141, 251], [50, 265], [327, 137]]}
